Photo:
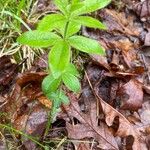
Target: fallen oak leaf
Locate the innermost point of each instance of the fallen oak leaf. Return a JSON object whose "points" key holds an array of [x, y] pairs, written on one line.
{"points": [[88, 126], [125, 127]]}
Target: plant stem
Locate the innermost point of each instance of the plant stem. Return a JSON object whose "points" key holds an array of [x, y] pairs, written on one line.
{"points": [[66, 29], [51, 113], [49, 121]]}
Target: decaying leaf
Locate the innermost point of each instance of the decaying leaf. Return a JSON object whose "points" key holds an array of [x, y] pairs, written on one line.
{"points": [[142, 9], [117, 22], [25, 104], [125, 127], [33, 120], [8, 72], [83, 146], [87, 126], [131, 95]]}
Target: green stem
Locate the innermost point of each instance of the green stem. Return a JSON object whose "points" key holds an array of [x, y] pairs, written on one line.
{"points": [[51, 113], [49, 121], [66, 29]]}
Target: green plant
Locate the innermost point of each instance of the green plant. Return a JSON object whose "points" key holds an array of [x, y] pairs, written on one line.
{"points": [[59, 31]]}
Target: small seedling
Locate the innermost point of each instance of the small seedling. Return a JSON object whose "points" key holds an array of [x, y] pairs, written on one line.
{"points": [[59, 31]]}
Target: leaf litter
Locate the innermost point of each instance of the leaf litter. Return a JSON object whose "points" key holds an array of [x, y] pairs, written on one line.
{"points": [[113, 109]]}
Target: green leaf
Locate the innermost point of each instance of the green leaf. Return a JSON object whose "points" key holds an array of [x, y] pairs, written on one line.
{"points": [[58, 98], [71, 69], [75, 6], [50, 22], [71, 82], [50, 84], [62, 5], [73, 28], [89, 22], [64, 98], [91, 6], [59, 57], [75, 1], [86, 45], [38, 38]]}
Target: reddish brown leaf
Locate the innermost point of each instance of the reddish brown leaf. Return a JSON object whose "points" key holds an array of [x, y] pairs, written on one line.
{"points": [[131, 95], [101, 61], [125, 127], [22, 102], [88, 127], [83, 146], [117, 22], [32, 121]]}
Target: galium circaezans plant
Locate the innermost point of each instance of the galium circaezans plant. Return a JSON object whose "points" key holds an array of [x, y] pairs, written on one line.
{"points": [[59, 32]]}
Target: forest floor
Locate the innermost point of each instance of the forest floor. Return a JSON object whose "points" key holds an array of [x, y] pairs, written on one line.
{"points": [[112, 111]]}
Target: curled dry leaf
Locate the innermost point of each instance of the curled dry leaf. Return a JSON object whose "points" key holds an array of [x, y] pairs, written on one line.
{"points": [[125, 128], [127, 50], [45, 101], [29, 86], [23, 105], [131, 95]]}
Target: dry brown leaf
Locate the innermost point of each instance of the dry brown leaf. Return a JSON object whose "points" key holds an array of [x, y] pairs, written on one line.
{"points": [[8, 72], [88, 127], [128, 51], [131, 95], [125, 127], [45, 101], [101, 61], [83, 146], [147, 39], [142, 9], [25, 100], [32, 121], [118, 22]]}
